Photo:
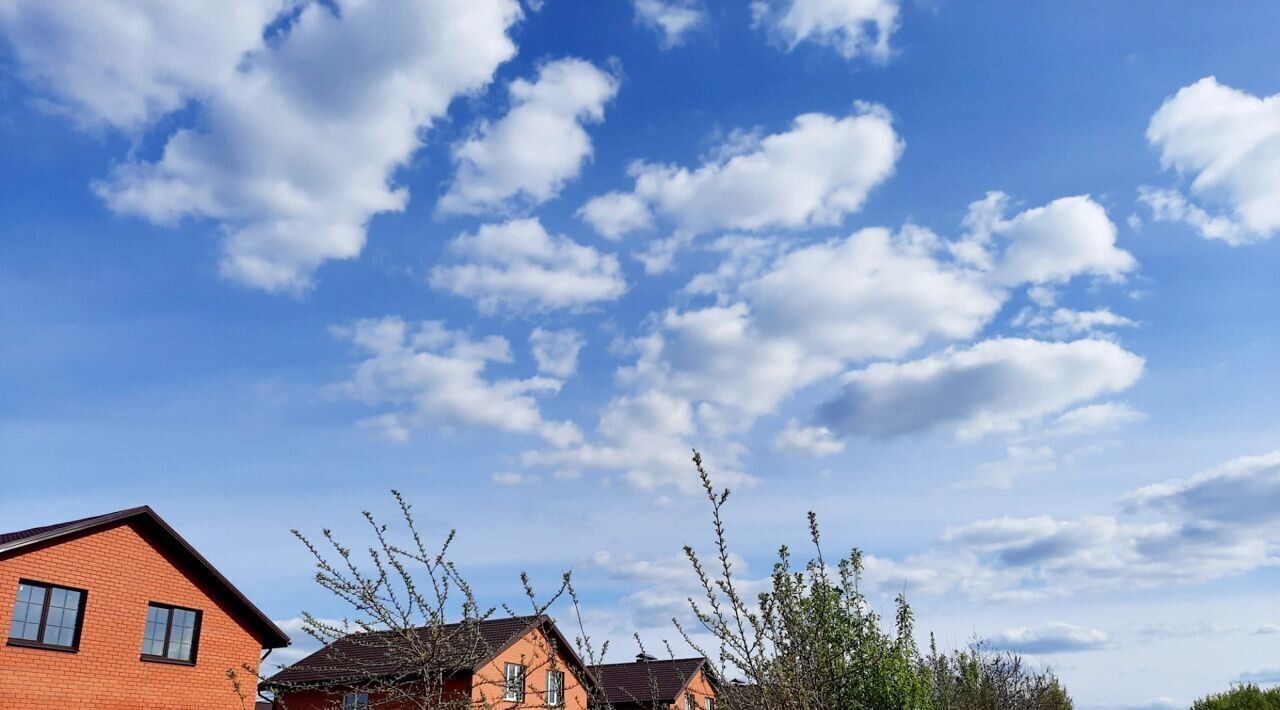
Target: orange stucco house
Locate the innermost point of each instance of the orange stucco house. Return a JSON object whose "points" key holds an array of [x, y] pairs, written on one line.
{"points": [[524, 662], [118, 612]]}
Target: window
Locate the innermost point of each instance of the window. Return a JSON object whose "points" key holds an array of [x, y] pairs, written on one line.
{"points": [[513, 688], [555, 689], [47, 616], [171, 635], [709, 704], [355, 701], [690, 702]]}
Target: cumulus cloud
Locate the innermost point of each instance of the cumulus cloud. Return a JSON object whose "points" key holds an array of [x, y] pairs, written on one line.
{"points": [[1228, 142], [811, 441], [128, 62], [556, 351], [295, 151], [648, 437], [673, 20], [1069, 237], [1245, 490], [1053, 637], [814, 174], [786, 317], [527, 156], [517, 266], [994, 386], [854, 28], [431, 376]]}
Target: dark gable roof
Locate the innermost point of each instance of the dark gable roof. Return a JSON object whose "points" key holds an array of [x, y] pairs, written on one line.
{"points": [[359, 656], [15, 543], [637, 681]]}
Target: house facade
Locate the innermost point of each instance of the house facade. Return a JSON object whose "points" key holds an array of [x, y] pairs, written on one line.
{"points": [[648, 683], [511, 663], [119, 612]]}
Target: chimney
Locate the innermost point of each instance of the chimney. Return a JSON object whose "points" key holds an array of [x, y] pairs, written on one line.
{"points": [[644, 658]]}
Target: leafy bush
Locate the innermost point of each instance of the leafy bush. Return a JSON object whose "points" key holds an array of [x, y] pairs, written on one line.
{"points": [[811, 641], [1242, 697]]}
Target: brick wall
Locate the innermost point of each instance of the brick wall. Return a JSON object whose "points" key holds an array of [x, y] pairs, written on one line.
{"points": [[122, 571]]}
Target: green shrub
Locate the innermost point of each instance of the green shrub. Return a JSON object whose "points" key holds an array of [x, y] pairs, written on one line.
{"points": [[1242, 697]]}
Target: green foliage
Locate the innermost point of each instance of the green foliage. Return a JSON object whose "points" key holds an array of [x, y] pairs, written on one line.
{"points": [[812, 641], [974, 679], [1242, 697]]}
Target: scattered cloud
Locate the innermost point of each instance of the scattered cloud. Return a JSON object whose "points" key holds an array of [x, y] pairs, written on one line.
{"points": [[673, 20], [1054, 637], [511, 479], [1228, 142], [1095, 418], [434, 377], [517, 266], [994, 386], [810, 441], [814, 174], [295, 152], [1243, 491], [556, 351], [1065, 322], [126, 64], [527, 156], [1210, 526], [1262, 675], [854, 28]]}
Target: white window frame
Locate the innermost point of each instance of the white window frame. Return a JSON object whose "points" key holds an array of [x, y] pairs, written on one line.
{"points": [[709, 703], [555, 689], [513, 683], [355, 701], [690, 702]]}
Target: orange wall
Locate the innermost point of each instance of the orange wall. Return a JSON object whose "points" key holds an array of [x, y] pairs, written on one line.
{"points": [[701, 690], [535, 652], [122, 572]]}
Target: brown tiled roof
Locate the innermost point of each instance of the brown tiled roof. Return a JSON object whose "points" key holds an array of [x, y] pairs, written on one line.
{"points": [[268, 634], [364, 655], [646, 681], [13, 537]]}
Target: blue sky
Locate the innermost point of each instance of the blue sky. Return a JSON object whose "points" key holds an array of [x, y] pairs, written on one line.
{"points": [[990, 286]]}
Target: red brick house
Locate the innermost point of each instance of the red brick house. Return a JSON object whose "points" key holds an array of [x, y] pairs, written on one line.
{"points": [[513, 663], [118, 611], [647, 683]]}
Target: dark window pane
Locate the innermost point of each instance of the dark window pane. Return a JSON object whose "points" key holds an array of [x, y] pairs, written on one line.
{"points": [[27, 611], [157, 626], [60, 624]]}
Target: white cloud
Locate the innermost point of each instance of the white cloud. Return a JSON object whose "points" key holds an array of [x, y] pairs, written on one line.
{"points": [[810, 441], [1243, 491], [1066, 322], [556, 351], [1262, 675], [295, 152], [1228, 141], [511, 479], [1053, 637], [517, 266], [853, 28], [617, 214], [433, 377], [527, 156], [814, 174], [994, 386], [648, 437], [1221, 523], [1069, 237], [1095, 418], [787, 317], [1172, 206], [126, 63], [1019, 460], [673, 20]]}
